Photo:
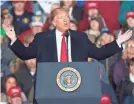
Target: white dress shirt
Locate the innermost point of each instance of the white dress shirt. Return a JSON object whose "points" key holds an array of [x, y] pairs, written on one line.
{"points": [[58, 42]]}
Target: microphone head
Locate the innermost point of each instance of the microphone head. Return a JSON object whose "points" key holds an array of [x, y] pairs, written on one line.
{"points": [[67, 33]]}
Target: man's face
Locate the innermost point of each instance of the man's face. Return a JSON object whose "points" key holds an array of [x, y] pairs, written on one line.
{"points": [[62, 21], [130, 22], [92, 12], [130, 49], [73, 26], [19, 5], [94, 25], [106, 38], [36, 29], [31, 63], [16, 100]]}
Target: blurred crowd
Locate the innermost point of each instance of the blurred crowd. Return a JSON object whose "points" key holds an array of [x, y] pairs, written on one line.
{"points": [[102, 21]]}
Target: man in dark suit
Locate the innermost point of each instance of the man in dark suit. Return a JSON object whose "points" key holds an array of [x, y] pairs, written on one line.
{"points": [[51, 46]]}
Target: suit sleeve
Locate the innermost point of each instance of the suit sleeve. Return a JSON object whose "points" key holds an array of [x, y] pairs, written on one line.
{"points": [[23, 52], [103, 52]]}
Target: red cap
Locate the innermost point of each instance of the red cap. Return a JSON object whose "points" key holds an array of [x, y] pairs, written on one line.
{"points": [[105, 99], [14, 92], [17, 1], [91, 5], [130, 14]]}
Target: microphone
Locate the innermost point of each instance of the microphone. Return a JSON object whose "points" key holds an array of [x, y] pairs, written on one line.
{"points": [[67, 35]]}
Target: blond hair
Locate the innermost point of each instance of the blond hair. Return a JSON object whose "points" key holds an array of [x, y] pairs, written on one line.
{"points": [[55, 12]]}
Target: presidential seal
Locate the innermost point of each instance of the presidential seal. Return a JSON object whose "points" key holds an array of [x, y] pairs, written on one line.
{"points": [[68, 79]]}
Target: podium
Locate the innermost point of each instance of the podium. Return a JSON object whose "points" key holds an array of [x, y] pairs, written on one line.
{"points": [[67, 83]]}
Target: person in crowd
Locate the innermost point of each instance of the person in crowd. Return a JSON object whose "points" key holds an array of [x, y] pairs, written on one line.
{"points": [[5, 4], [125, 7], [110, 11], [14, 95], [36, 26], [6, 54], [106, 87], [80, 3], [22, 17], [28, 39], [26, 74], [54, 6], [75, 12], [95, 25], [118, 71], [6, 17], [120, 67], [105, 38], [8, 82], [127, 85], [47, 4], [73, 26], [36, 7], [129, 23], [14, 65], [91, 10]]}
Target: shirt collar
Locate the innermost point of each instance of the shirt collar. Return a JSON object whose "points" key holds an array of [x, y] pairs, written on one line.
{"points": [[59, 33]]}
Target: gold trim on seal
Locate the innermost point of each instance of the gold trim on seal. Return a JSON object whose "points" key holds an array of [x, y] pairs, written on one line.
{"points": [[59, 79]]}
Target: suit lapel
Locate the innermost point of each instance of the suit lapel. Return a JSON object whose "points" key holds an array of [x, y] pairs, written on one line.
{"points": [[52, 47], [74, 46]]}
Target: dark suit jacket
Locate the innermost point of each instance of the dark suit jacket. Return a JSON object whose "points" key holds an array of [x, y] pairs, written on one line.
{"points": [[44, 49]]}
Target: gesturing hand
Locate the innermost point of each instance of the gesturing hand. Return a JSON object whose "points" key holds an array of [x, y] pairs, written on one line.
{"points": [[10, 32], [124, 37]]}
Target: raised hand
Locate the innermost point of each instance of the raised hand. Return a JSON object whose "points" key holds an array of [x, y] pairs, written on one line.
{"points": [[10, 32], [124, 37]]}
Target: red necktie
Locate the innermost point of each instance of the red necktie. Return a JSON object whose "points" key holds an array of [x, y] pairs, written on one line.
{"points": [[63, 57]]}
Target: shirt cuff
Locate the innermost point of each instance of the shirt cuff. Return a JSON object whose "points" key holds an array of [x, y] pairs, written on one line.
{"points": [[12, 42], [120, 44]]}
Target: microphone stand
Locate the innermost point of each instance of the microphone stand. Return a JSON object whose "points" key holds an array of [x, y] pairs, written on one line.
{"points": [[67, 35]]}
